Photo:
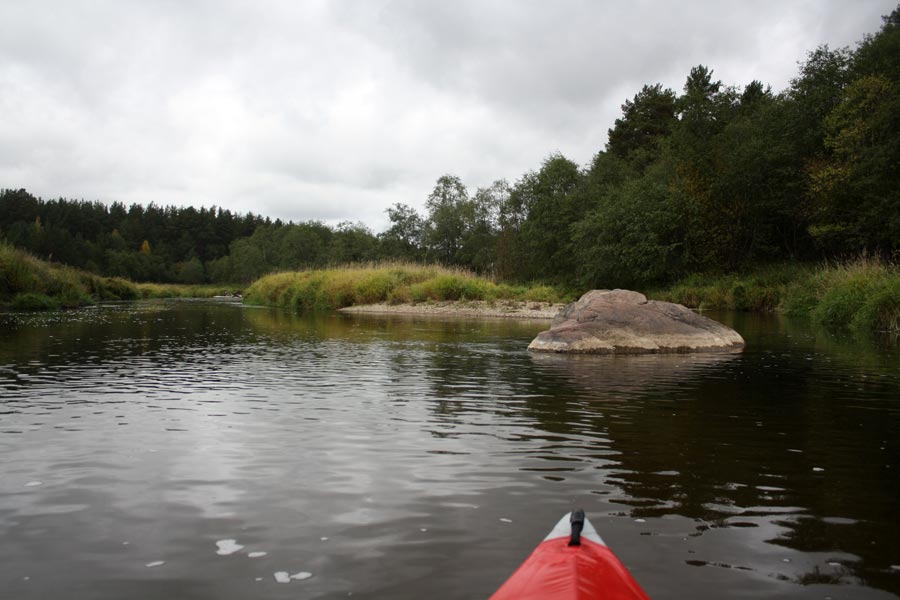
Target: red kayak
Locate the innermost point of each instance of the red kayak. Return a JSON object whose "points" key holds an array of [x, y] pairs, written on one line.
{"points": [[572, 563]]}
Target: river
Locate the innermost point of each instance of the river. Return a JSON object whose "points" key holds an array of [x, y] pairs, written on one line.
{"points": [[195, 450]]}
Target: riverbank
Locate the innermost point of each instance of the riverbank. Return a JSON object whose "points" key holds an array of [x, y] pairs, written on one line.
{"points": [[862, 294], [505, 309], [28, 283]]}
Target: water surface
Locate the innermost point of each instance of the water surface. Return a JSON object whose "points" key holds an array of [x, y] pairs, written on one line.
{"points": [[157, 450]]}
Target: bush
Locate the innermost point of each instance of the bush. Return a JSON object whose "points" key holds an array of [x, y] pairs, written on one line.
{"points": [[881, 309], [33, 301]]}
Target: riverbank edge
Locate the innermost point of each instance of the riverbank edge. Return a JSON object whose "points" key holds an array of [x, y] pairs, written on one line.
{"points": [[862, 294], [29, 283], [504, 309]]}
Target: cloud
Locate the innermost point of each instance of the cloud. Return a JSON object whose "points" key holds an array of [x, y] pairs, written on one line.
{"points": [[336, 110]]}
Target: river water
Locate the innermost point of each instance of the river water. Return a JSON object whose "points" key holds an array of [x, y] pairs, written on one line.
{"points": [[157, 450]]}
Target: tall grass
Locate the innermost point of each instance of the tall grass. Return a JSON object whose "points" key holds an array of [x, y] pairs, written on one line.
{"points": [[392, 283], [863, 293], [761, 290], [29, 283]]}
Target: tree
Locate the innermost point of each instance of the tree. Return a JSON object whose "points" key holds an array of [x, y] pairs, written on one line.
{"points": [[352, 243], [190, 271], [633, 237], [814, 93], [857, 188], [302, 246], [548, 201], [404, 238], [247, 261], [478, 250], [446, 223], [645, 120]]}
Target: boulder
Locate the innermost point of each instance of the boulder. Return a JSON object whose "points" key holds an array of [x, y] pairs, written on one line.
{"points": [[625, 322]]}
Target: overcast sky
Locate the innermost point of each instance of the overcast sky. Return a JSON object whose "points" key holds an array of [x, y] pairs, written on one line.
{"points": [[335, 110]]}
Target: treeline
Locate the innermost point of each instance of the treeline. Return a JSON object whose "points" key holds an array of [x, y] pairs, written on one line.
{"points": [[712, 179], [171, 244], [141, 243]]}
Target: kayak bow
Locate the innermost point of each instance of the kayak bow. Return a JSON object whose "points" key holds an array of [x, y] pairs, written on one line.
{"points": [[572, 563]]}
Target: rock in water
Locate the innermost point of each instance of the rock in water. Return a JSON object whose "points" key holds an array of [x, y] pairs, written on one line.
{"points": [[625, 322]]}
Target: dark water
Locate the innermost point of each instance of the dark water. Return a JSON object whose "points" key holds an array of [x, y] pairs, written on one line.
{"points": [[399, 458]]}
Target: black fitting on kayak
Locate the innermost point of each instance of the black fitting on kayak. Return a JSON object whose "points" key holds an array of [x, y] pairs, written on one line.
{"points": [[577, 521]]}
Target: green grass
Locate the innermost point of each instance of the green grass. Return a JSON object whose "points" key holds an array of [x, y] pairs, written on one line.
{"points": [[392, 283], [28, 283], [761, 290], [862, 294]]}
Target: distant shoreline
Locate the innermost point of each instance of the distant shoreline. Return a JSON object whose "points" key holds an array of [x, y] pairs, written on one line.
{"points": [[505, 309]]}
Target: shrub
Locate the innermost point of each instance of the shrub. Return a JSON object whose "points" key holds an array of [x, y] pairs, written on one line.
{"points": [[33, 301]]}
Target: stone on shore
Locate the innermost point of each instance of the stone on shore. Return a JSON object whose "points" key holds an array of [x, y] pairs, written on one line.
{"points": [[625, 322]]}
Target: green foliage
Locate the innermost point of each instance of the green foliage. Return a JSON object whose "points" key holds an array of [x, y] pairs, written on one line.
{"points": [[646, 120], [863, 293], [631, 238], [33, 301], [550, 205], [404, 238], [881, 308], [447, 205], [146, 243], [855, 185]]}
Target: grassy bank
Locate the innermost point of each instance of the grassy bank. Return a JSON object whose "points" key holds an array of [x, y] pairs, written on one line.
{"points": [[28, 283], [863, 294], [330, 289]]}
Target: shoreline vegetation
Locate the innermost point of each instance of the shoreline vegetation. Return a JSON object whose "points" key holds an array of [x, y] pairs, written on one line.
{"points": [[862, 294], [29, 283], [392, 285]]}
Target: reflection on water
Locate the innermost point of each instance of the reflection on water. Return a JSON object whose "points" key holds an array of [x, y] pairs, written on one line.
{"points": [[193, 450]]}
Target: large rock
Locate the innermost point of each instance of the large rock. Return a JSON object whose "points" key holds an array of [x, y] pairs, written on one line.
{"points": [[625, 322]]}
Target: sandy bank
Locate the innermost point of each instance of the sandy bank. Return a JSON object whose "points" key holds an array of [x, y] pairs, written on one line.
{"points": [[504, 309]]}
